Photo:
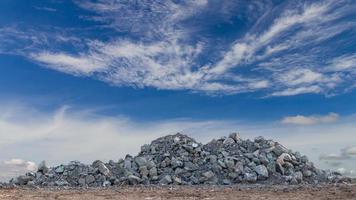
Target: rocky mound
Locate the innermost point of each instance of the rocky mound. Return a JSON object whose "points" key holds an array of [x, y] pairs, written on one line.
{"points": [[180, 160]]}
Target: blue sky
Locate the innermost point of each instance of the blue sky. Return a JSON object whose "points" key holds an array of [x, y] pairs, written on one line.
{"points": [[276, 68]]}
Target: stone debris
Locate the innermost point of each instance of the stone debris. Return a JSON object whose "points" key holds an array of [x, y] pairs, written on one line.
{"points": [[180, 160]]}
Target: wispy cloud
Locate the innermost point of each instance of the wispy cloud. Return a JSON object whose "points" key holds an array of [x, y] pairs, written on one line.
{"points": [[46, 9], [310, 120], [343, 63], [153, 44]]}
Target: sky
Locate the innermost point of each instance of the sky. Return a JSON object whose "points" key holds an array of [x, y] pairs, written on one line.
{"points": [[95, 79]]}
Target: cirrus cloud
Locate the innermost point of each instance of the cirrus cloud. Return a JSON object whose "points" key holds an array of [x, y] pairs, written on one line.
{"points": [[310, 120]]}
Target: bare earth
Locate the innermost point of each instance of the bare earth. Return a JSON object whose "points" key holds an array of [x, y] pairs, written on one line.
{"points": [[331, 192]]}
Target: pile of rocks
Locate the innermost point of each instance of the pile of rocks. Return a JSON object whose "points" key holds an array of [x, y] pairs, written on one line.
{"points": [[180, 160]]}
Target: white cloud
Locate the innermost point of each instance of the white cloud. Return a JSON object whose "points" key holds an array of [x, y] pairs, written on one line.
{"points": [[300, 76], [333, 156], [70, 64], [298, 90], [287, 54], [346, 172], [310, 120], [28, 165], [245, 49], [343, 63], [350, 151]]}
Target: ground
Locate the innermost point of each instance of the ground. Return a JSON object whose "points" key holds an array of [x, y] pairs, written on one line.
{"points": [[331, 192]]}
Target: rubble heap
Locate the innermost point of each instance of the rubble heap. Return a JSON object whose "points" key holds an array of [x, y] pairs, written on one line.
{"points": [[180, 160]]}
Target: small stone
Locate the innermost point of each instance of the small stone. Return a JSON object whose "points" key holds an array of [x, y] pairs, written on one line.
{"points": [[178, 171], [229, 141], [250, 177], [235, 136], [293, 181], [259, 139], [61, 183], [42, 167], [127, 164], [279, 149], [208, 175], [230, 164], [307, 173], [279, 168], [106, 183], [144, 171], [134, 180], [81, 181], [140, 161], [165, 180], [176, 163], [153, 172], [89, 179], [23, 180], [150, 164], [226, 182], [262, 171], [59, 169], [298, 176], [103, 169], [177, 180], [30, 183]]}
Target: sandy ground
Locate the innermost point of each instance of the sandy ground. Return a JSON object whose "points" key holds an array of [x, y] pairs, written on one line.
{"points": [[173, 193]]}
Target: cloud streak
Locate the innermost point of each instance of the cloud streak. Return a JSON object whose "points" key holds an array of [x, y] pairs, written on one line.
{"points": [[310, 120], [153, 44]]}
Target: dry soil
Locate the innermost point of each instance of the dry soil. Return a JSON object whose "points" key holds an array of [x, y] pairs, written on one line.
{"points": [[331, 192]]}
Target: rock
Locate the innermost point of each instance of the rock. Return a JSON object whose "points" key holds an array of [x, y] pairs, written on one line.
{"points": [[259, 139], [106, 183], [150, 164], [208, 175], [307, 173], [176, 163], [279, 149], [230, 164], [165, 180], [229, 141], [140, 161], [261, 171], [226, 182], [298, 176], [42, 167], [128, 162], [250, 177], [89, 179], [103, 169], [293, 181], [61, 183], [23, 180], [134, 180], [235, 136], [177, 180], [153, 172], [280, 169], [283, 157], [81, 181], [144, 171], [59, 169]]}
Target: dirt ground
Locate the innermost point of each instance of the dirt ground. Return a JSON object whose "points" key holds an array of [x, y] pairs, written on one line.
{"points": [[175, 193]]}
